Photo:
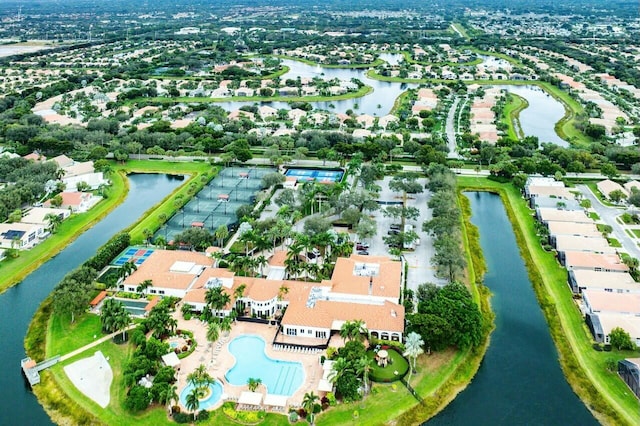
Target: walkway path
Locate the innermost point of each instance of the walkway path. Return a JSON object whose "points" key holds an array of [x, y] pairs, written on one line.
{"points": [[93, 344]]}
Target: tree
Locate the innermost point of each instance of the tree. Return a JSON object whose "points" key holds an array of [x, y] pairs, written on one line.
{"points": [[309, 402], [272, 179], [220, 234], [54, 221], [413, 348], [620, 339], [354, 330], [143, 286], [15, 216], [213, 333], [363, 367], [316, 225], [193, 400], [617, 195], [448, 259], [253, 383]]}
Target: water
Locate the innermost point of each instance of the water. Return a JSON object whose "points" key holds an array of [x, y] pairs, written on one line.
{"points": [[205, 404], [542, 114], [279, 377], [519, 381], [19, 303], [377, 103]]}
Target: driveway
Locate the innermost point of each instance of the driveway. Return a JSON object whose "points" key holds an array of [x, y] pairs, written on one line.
{"points": [[608, 216]]}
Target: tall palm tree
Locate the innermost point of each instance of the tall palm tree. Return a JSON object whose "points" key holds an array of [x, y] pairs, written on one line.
{"points": [[220, 234], [353, 330], [127, 269], [225, 325], [261, 262], [121, 321], [172, 396], [339, 368], [54, 221], [413, 347], [363, 367], [238, 293], [213, 334], [309, 402], [193, 400], [143, 286]]}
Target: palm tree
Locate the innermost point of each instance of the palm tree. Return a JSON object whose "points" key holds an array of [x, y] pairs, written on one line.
{"points": [[172, 395], [339, 368], [127, 269], [309, 402], [225, 325], [121, 321], [261, 262], [353, 330], [238, 293], [54, 221], [253, 383], [363, 366], [283, 291], [143, 286], [413, 348], [193, 400], [160, 241], [213, 333], [220, 234], [147, 233]]}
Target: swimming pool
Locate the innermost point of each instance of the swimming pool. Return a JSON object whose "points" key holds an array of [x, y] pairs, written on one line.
{"points": [[135, 307], [279, 377], [209, 401], [318, 175]]}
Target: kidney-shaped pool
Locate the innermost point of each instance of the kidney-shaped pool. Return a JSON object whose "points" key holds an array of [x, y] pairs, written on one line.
{"points": [[279, 377]]}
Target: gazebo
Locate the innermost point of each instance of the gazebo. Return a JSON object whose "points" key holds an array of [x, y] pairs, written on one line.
{"points": [[275, 402], [171, 360]]}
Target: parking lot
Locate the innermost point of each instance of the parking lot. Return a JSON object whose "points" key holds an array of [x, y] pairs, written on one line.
{"points": [[419, 260]]}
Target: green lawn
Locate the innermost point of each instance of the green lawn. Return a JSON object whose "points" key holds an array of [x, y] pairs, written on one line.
{"points": [[602, 391], [64, 336], [398, 364], [635, 232], [594, 216], [613, 242]]}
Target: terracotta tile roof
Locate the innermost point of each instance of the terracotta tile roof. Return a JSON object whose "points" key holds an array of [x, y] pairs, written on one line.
{"points": [[604, 301], [550, 214], [278, 258], [386, 283], [157, 268], [570, 228], [595, 261], [389, 316]]}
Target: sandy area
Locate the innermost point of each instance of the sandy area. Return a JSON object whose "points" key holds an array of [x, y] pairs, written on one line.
{"points": [[92, 376]]}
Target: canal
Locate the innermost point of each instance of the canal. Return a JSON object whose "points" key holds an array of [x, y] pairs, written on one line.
{"points": [[18, 304], [520, 381]]}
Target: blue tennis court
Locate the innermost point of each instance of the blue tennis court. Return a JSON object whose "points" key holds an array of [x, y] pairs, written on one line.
{"points": [[315, 174], [133, 254]]}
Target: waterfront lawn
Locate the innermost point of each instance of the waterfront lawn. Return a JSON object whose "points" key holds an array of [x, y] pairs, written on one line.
{"points": [[398, 365], [64, 336], [385, 402], [511, 113], [635, 232], [585, 368], [14, 270]]}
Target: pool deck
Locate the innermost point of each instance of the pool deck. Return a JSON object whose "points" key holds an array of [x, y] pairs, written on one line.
{"points": [[225, 361]]}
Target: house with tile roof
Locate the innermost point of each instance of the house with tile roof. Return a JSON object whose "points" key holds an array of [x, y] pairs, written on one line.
{"points": [[361, 288]]}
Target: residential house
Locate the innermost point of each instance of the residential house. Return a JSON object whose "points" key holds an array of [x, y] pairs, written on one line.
{"points": [[613, 282], [594, 262], [20, 235], [546, 215], [555, 203], [533, 191], [37, 215], [631, 186], [611, 303], [601, 325], [606, 187], [570, 228]]}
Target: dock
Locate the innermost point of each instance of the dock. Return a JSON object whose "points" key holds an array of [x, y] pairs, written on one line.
{"points": [[32, 370]]}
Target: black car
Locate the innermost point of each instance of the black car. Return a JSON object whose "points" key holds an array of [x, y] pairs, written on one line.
{"points": [[393, 232], [395, 226], [363, 252]]}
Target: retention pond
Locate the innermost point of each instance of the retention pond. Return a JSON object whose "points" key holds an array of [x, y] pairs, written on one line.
{"points": [[520, 381]]}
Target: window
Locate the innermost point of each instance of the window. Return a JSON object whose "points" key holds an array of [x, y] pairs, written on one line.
{"points": [[292, 332], [160, 291], [321, 334]]}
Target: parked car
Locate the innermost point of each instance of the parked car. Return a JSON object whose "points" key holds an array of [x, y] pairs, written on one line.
{"points": [[393, 232], [363, 252], [395, 226], [362, 246]]}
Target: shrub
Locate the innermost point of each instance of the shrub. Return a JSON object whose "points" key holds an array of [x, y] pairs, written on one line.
{"points": [[302, 413], [182, 417], [293, 417], [203, 415]]}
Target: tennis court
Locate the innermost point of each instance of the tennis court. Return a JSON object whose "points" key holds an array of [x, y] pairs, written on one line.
{"points": [[217, 202], [133, 254], [319, 175]]}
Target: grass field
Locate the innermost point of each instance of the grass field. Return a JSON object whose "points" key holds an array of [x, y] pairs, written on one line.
{"points": [[603, 392]]}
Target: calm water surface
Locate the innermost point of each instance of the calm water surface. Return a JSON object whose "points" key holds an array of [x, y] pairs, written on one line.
{"points": [[18, 406], [520, 381]]}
